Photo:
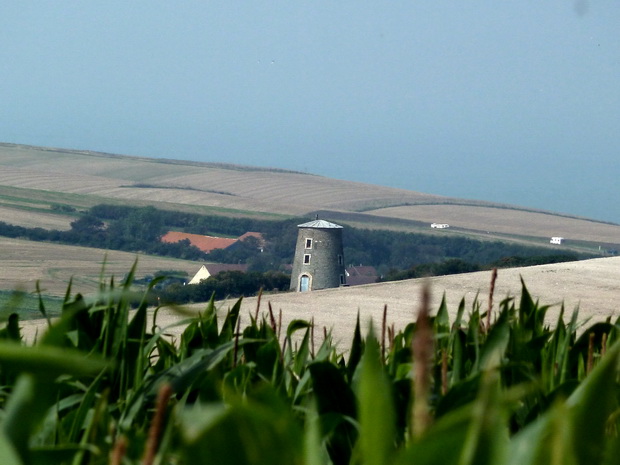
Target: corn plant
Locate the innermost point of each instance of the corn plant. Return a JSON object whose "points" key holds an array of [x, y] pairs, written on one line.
{"points": [[103, 386]]}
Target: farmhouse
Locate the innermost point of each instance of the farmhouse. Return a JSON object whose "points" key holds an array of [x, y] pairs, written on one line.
{"points": [[211, 269], [439, 225], [358, 275], [557, 240]]}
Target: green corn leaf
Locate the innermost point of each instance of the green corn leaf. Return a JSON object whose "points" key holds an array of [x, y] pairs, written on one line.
{"points": [[8, 454], [548, 441], [357, 347], [327, 348], [473, 340], [303, 388], [459, 395], [573, 432], [442, 319], [49, 361], [180, 376], [42, 309], [459, 314], [295, 326], [458, 357], [230, 322], [612, 451], [475, 434], [337, 406], [87, 403], [303, 354], [255, 432], [591, 405], [268, 362], [376, 408], [11, 332], [314, 453], [24, 411], [57, 455], [496, 343], [332, 392], [564, 354]]}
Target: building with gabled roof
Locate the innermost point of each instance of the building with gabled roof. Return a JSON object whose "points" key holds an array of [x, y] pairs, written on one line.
{"points": [[358, 275], [211, 269]]}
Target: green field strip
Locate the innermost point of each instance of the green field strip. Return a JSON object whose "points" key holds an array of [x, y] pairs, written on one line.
{"points": [[82, 201], [26, 305]]}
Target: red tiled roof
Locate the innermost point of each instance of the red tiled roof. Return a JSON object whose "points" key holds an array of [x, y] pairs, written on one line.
{"points": [[204, 243], [257, 235]]}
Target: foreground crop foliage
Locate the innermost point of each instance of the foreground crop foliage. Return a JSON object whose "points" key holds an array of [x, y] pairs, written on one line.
{"points": [[104, 386]]}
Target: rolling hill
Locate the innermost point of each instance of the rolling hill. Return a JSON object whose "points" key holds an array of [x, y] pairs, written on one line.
{"points": [[34, 180], [47, 187]]}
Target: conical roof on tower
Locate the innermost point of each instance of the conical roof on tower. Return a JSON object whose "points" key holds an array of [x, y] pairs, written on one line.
{"points": [[321, 224]]}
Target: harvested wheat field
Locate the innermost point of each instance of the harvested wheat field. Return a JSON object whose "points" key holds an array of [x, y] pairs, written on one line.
{"points": [[591, 285], [23, 263], [35, 219], [99, 178], [190, 183], [507, 221]]}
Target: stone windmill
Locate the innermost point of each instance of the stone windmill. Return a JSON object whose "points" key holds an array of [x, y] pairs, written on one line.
{"points": [[319, 261]]}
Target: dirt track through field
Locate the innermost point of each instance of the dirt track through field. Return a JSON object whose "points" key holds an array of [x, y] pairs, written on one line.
{"points": [[593, 285]]}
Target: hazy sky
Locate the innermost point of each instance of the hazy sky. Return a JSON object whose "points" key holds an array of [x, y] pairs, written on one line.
{"points": [[511, 101]]}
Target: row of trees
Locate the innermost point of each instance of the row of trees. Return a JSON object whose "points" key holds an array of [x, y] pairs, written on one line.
{"points": [[223, 285], [139, 229]]}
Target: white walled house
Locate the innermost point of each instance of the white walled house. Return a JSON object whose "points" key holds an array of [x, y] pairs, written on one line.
{"points": [[556, 240], [439, 225]]}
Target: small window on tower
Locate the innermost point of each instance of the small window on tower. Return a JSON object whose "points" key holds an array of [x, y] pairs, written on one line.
{"points": [[306, 258], [340, 260], [308, 243], [341, 279]]}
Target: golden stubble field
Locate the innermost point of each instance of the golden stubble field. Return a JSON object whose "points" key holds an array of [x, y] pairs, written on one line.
{"points": [[23, 263], [217, 185], [174, 183], [506, 221], [35, 219], [591, 285]]}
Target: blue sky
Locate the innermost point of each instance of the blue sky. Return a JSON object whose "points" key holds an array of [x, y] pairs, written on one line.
{"points": [[515, 102]]}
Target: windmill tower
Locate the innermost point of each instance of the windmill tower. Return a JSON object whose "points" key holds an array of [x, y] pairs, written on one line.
{"points": [[319, 261]]}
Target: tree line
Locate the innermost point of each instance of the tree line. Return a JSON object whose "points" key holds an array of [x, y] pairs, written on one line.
{"points": [[139, 229], [222, 285]]}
